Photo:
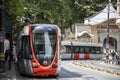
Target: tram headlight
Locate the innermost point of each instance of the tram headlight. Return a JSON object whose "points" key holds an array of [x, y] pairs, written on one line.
{"points": [[34, 64]]}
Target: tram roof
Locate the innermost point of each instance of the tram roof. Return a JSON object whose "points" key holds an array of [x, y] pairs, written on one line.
{"points": [[44, 25], [25, 31], [69, 43]]}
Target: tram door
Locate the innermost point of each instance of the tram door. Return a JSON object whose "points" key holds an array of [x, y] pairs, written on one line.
{"points": [[24, 55]]}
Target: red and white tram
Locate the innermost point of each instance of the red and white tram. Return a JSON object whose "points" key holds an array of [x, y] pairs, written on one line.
{"points": [[38, 50], [81, 50]]}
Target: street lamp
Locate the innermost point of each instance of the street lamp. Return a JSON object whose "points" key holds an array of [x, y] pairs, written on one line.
{"points": [[1, 28], [71, 49], [2, 36], [108, 14]]}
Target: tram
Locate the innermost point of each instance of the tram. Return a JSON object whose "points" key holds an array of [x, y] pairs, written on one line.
{"points": [[81, 50], [38, 50]]}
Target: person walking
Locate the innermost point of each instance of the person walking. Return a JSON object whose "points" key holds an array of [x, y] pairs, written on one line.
{"points": [[117, 58], [113, 56], [107, 56], [8, 55]]}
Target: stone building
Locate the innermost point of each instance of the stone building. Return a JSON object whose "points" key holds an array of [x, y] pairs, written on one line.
{"points": [[96, 27]]}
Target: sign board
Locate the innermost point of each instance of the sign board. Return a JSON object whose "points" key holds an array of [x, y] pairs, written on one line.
{"points": [[2, 36]]}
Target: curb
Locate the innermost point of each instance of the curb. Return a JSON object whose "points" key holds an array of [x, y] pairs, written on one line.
{"points": [[95, 68], [110, 71], [118, 73], [100, 69]]}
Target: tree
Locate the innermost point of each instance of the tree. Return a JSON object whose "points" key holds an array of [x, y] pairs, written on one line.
{"points": [[13, 9], [84, 8], [64, 13], [49, 11]]}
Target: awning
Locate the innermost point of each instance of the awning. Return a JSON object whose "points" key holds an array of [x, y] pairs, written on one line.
{"points": [[102, 16], [83, 32]]}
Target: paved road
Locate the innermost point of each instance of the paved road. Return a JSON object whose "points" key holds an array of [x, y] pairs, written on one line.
{"points": [[87, 73], [69, 71]]}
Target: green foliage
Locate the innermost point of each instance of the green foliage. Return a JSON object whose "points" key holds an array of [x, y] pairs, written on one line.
{"points": [[13, 8], [84, 8], [50, 11], [60, 12]]}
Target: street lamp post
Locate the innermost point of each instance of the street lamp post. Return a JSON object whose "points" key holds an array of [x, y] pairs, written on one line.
{"points": [[107, 40], [1, 15], [71, 50], [2, 36]]}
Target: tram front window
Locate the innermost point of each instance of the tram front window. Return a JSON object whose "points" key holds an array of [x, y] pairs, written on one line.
{"points": [[44, 46]]}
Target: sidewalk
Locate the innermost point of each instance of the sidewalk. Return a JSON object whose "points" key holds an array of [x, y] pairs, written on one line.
{"points": [[9, 74], [113, 66], [99, 65]]}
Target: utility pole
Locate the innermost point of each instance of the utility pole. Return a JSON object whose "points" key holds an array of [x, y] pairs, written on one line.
{"points": [[2, 34], [71, 50], [107, 40], [1, 15], [118, 7]]}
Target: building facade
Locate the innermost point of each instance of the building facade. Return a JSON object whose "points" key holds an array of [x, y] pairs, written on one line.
{"points": [[96, 28]]}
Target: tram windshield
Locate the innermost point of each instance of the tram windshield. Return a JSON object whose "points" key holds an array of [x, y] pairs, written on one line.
{"points": [[44, 45]]}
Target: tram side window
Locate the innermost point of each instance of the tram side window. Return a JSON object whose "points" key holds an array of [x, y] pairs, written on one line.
{"points": [[98, 50], [63, 49], [76, 49], [87, 50], [68, 49], [18, 49], [26, 48], [93, 50], [81, 49]]}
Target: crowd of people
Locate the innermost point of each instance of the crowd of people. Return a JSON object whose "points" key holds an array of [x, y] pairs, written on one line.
{"points": [[112, 57]]}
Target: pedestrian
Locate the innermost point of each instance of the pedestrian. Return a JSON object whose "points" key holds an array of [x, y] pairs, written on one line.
{"points": [[14, 52], [7, 52], [113, 56], [117, 58], [107, 56]]}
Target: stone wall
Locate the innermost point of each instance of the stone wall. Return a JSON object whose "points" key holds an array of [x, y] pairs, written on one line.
{"points": [[95, 33]]}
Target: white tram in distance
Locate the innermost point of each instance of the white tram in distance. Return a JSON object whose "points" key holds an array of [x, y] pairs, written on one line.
{"points": [[81, 50]]}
